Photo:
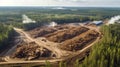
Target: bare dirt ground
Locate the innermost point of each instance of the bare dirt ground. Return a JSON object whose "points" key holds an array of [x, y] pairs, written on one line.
{"points": [[46, 45], [70, 37], [56, 40]]}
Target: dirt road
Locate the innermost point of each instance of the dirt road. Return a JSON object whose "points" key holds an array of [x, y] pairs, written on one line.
{"points": [[58, 52], [61, 54]]}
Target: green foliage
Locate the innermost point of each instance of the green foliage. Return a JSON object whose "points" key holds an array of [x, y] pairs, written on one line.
{"points": [[76, 63], [5, 35], [13, 15], [106, 53], [62, 64], [9, 18], [48, 64]]}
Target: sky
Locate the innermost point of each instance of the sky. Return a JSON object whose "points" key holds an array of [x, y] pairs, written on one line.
{"points": [[76, 3]]}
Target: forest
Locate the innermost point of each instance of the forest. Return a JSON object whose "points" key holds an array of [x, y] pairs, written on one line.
{"points": [[6, 33], [44, 15]]}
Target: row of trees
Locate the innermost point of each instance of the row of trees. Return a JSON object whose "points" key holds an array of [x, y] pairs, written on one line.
{"points": [[43, 19], [63, 18], [6, 32]]}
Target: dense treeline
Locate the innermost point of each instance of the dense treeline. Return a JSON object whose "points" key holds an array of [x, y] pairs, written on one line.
{"points": [[43, 19], [106, 53], [9, 18], [62, 18], [43, 15], [6, 32]]}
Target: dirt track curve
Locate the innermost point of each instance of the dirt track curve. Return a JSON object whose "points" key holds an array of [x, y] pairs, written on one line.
{"points": [[59, 53]]}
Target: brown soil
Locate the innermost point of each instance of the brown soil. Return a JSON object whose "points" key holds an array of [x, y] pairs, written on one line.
{"points": [[67, 34], [45, 30], [71, 38], [31, 51], [79, 41]]}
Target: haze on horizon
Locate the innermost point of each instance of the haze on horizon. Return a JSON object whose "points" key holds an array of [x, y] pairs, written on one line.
{"points": [[76, 3]]}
